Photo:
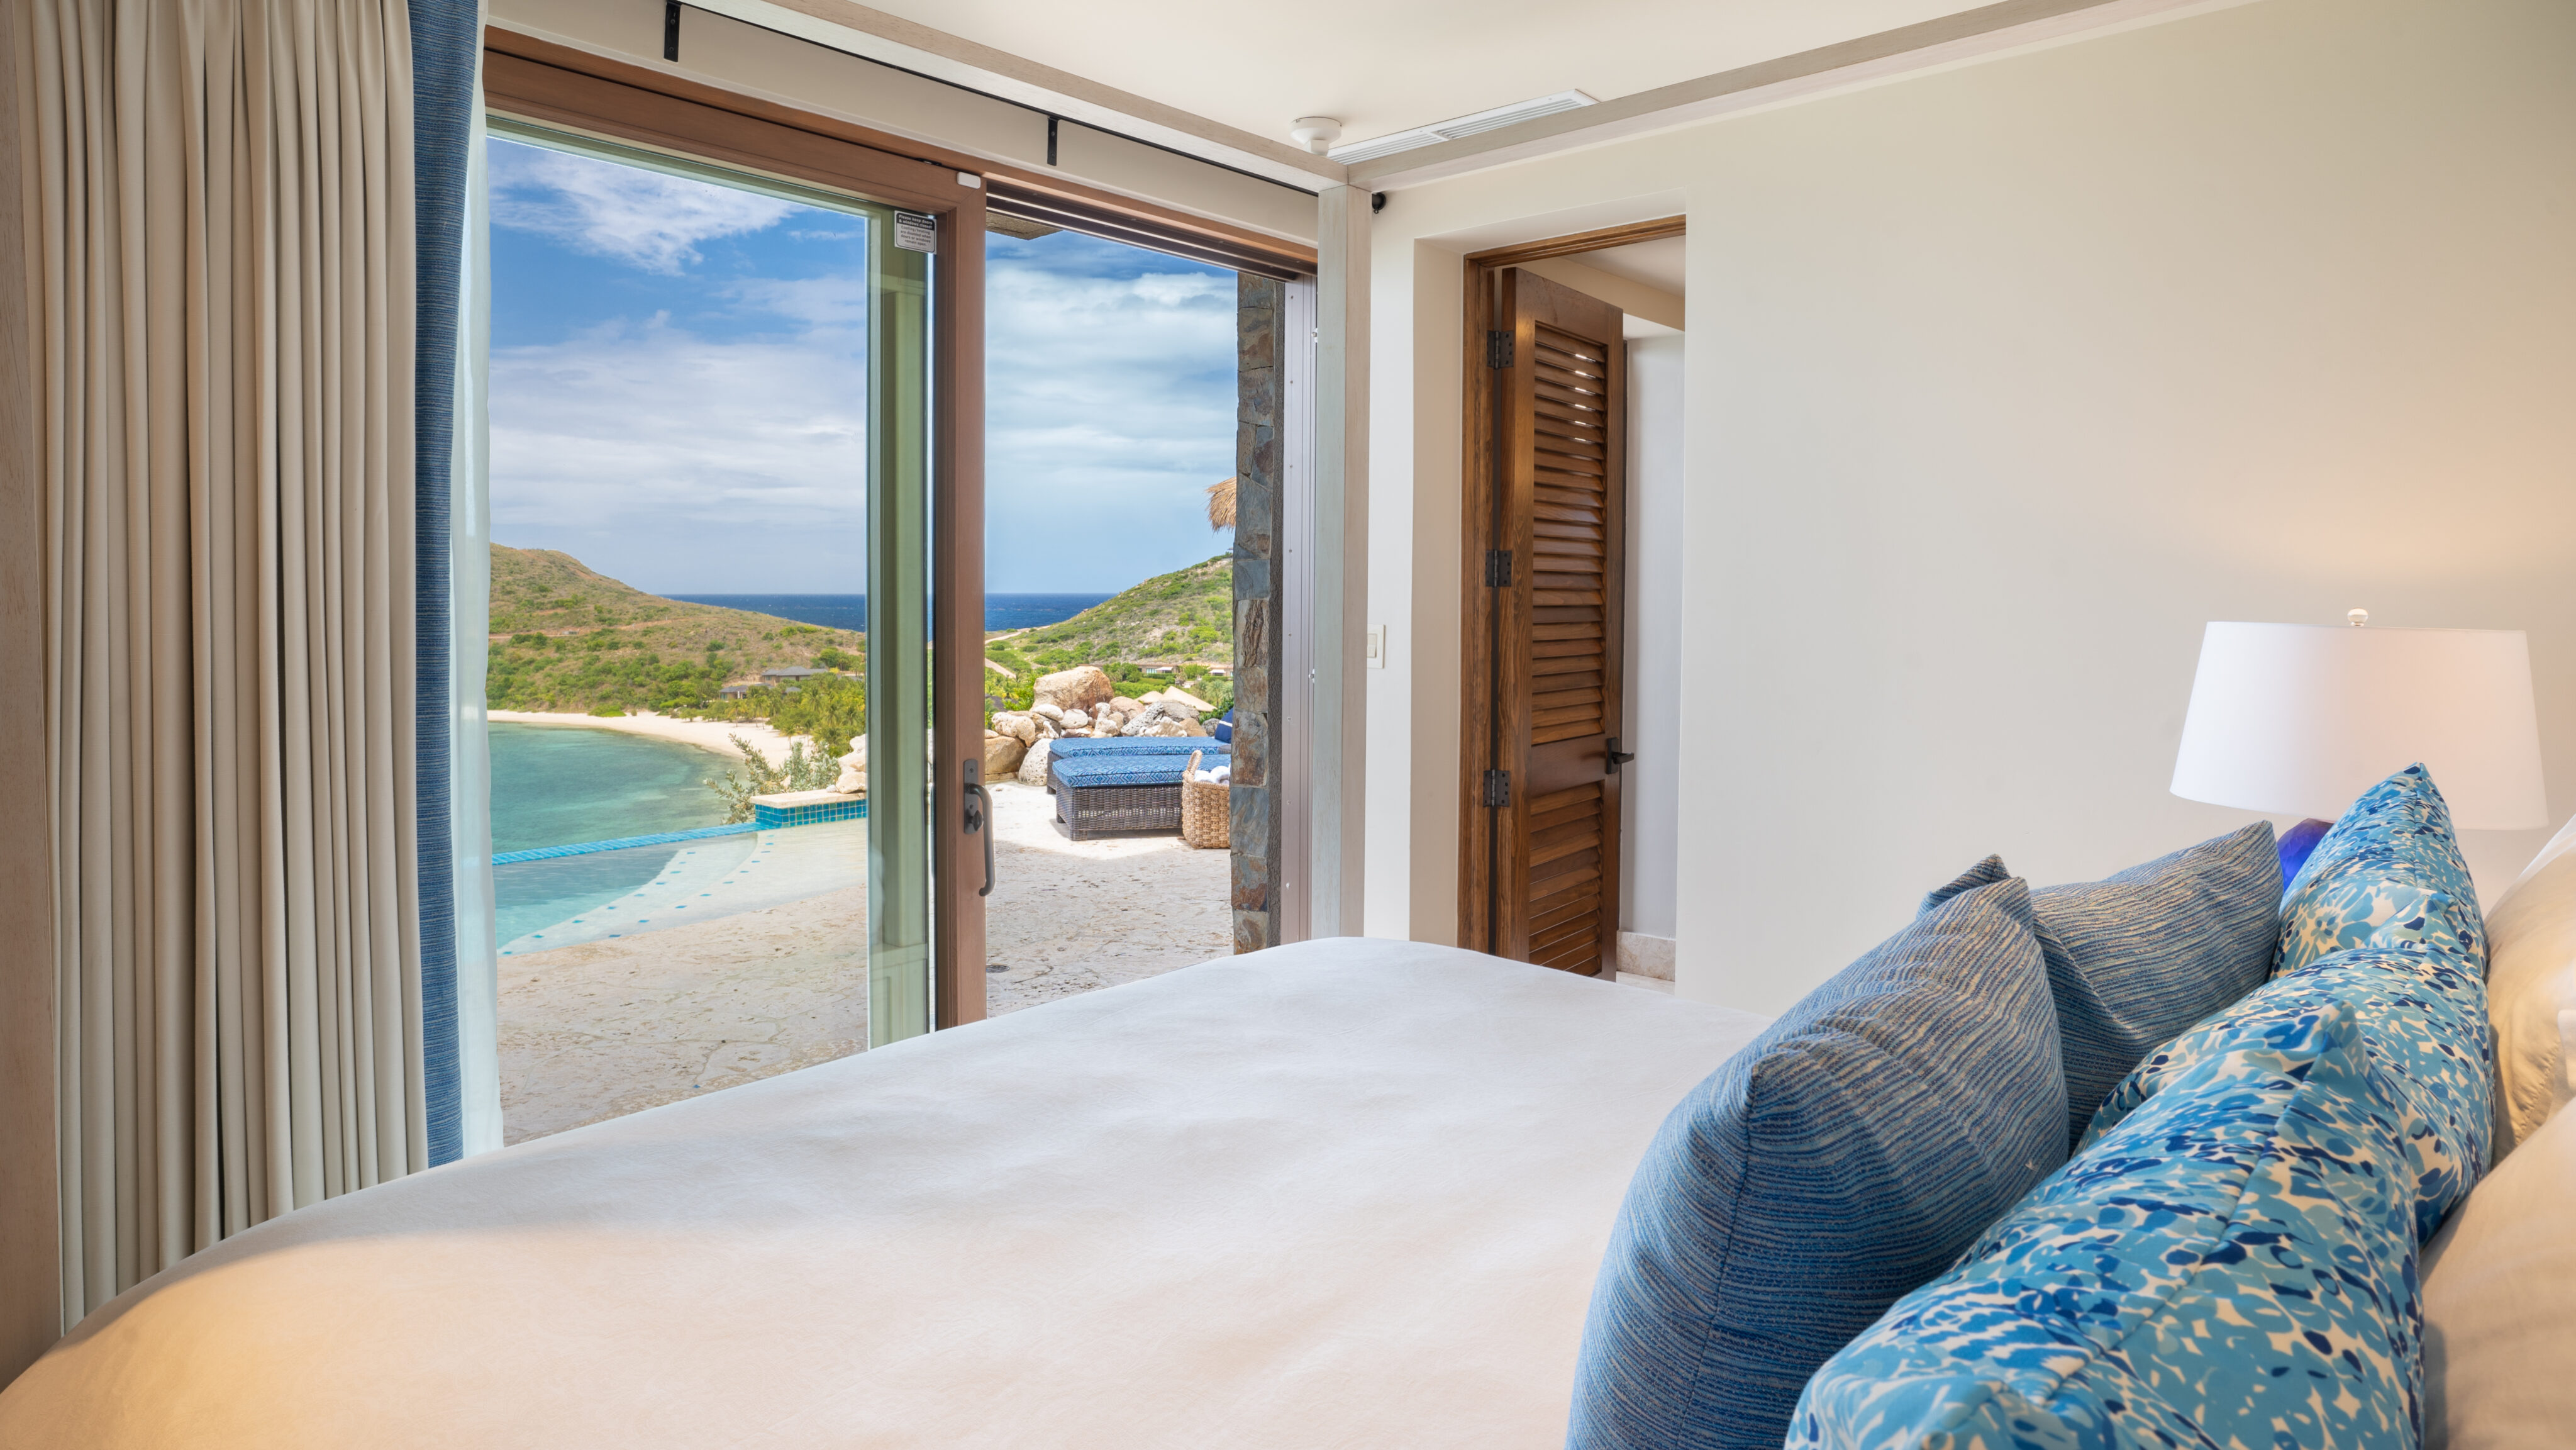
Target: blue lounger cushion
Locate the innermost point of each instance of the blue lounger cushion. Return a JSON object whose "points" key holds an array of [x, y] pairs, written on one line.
{"points": [[1844, 1157], [1128, 760], [1069, 747], [2135, 958], [1081, 772]]}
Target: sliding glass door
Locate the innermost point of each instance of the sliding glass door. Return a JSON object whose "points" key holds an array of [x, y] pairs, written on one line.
{"points": [[815, 472]]}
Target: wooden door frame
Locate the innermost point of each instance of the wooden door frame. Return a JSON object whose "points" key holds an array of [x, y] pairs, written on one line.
{"points": [[1478, 402], [564, 89]]}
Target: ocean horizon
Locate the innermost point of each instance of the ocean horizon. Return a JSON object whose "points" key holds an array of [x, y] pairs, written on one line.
{"points": [[850, 611]]}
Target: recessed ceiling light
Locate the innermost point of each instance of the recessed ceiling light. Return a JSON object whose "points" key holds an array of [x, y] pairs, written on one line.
{"points": [[1451, 130]]}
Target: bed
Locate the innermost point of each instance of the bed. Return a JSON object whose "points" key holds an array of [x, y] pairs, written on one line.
{"points": [[1349, 1193]]}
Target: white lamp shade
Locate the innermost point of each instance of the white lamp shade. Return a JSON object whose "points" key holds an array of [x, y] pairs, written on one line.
{"points": [[2299, 720]]}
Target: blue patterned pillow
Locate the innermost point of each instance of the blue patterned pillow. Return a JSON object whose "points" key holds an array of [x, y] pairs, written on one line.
{"points": [[2233, 1264], [2137, 957], [2388, 874], [2423, 1023], [1842, 1158]]}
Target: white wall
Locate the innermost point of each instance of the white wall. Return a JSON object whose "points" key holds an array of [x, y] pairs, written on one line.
{"points": [[2002, 381], [1650, 797]]}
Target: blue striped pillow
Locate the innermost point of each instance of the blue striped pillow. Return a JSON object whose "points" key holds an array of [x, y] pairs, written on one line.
{"points": [[2135, 958], [1843, 1158]]}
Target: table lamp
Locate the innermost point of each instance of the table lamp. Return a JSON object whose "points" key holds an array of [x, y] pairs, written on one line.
{"points": [[2299, 719]]}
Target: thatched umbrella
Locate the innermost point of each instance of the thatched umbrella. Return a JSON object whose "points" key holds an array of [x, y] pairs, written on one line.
{"points": [[1221, 505]]}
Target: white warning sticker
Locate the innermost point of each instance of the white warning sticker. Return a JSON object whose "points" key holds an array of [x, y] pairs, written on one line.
{"points": [[916, 233]]}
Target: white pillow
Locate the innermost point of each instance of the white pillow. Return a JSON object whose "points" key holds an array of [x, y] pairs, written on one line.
{"points": [[2500, 1306], [2531, 978]]}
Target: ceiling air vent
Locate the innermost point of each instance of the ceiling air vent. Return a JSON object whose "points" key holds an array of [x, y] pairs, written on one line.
{"points": [[1451, 130]]}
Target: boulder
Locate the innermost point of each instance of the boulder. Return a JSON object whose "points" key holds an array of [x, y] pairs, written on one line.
{"points": [[1178, 696], [853, 779], [1002, 755], [1075, 721], [1079, 688], [1168, 728], [1017, 724], [1048, 710], [1122, 707], [1033, 766]]}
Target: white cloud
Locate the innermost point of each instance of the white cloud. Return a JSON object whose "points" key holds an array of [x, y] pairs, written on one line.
{"points": [[690, 461], [643, 218], [685, 465], [1110, 407]]}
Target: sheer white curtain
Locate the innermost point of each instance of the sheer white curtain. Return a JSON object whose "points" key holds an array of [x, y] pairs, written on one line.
{"points": [[221, 198], [478, 984]]}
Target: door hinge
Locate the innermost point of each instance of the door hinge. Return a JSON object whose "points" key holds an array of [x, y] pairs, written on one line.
{"points": [[1498, 568], [1498, 349], [1498, 788], [1612, 757]]}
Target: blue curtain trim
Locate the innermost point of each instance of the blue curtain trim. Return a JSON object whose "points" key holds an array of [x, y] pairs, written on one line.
{"points": [[445, 41]]}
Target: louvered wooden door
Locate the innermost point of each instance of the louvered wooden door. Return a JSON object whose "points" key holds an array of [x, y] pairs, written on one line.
{"points": [[1552, 585]]}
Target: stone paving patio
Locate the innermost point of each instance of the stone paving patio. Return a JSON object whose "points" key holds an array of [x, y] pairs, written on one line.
{"points": [[772, 974]]}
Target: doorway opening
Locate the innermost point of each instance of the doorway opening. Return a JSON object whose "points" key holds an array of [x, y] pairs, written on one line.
{"points": [[1109, 653]]}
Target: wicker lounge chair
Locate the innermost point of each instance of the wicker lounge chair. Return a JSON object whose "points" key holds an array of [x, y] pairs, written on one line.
{"points": [[1132, 786]]}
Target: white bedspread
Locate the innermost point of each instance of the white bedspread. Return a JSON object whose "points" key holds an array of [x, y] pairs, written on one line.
{"points": [[1351, 1193]]}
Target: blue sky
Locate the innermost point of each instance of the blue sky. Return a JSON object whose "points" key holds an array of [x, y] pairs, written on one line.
{"points": [[678, 390]]}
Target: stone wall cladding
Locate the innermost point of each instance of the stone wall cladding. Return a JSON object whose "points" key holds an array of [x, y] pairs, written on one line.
{"points": [[1252, 817]]}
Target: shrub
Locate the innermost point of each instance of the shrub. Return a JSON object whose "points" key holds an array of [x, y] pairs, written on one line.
{"points": [[831, 708], [802, 770]]}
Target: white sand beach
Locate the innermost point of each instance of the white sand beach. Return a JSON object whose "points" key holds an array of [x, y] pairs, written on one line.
{"points": [[712, 735]]}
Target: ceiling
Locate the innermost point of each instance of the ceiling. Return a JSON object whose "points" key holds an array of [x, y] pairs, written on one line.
{"points": [[1379, 67]]}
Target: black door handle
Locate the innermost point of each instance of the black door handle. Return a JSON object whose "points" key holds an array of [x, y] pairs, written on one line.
{"points": [[979, 817], [1612, 758]]}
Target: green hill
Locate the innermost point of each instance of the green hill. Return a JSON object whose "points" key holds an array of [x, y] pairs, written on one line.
{"points": [[567, 637], [1184, 617], [1174, 625]]}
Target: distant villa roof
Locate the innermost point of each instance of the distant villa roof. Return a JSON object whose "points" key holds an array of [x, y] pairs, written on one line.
{"points": [[791, 672]]}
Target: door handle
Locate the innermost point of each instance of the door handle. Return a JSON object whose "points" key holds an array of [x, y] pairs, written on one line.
{"points": [[1612, 757], [979, 818]]}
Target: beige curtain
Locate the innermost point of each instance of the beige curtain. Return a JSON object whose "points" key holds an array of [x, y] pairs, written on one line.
{"points": [[219, 199]]}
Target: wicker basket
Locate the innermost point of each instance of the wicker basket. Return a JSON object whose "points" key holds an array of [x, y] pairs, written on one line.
{"points": [[1204, 810]]}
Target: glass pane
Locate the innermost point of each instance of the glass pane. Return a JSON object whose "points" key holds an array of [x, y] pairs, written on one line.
{"points": [[710, 468], [899, 924]]}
